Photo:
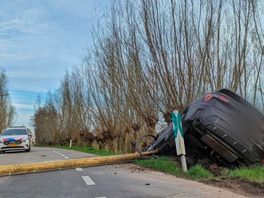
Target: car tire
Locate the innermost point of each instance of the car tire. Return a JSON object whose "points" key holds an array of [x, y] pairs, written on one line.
{"points": [[27, 150], [2, 152]]}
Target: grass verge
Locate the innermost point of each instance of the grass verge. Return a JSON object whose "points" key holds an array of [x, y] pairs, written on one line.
{"points": [[88, 150], [254, 174], [170, 166], [197, 172], [167, 165]]}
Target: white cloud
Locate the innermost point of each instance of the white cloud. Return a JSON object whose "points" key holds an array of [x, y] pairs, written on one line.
{"points": [[39, 40], [23, 119], [30, 21], [17, 56], [29, 88], [21, 73], [23, 106]]}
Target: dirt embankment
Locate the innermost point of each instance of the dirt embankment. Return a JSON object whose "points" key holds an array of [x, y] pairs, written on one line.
{"points": [[239, 186]]}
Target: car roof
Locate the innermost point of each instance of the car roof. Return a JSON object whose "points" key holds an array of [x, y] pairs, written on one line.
{"points": [[15, 128]]}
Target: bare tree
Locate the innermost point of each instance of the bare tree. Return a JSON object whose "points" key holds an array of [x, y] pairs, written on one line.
{"points": [[152, 57]]}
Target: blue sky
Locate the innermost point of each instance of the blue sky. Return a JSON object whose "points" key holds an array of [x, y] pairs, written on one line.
{"points": [[39, 41]]}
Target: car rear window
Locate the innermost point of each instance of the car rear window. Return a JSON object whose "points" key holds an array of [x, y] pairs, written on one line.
{"points": [[14, 132]]}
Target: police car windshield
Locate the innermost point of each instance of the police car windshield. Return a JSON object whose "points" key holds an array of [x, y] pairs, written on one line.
{"points": [[14, 132]]}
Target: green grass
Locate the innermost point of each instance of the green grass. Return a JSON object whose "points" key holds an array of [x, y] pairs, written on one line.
{"points": [[167, 165], [197, 172], [88, 150], [163, 164], [255, 173]]}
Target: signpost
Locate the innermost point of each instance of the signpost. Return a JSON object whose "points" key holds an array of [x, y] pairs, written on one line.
{"points": [[178, 137]]}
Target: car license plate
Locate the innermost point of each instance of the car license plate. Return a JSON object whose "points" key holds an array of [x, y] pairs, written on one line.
{"points": [[12, 145]]}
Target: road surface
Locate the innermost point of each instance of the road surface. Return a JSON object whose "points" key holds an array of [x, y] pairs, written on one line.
{"points": [[120, 181], [40, 154]]}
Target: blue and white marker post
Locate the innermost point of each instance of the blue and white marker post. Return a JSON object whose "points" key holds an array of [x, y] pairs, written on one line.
{"points": [[178, 137]]}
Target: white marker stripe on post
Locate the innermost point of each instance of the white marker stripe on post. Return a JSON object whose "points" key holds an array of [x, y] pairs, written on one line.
{"points": [[178, 137], [88, 180]]}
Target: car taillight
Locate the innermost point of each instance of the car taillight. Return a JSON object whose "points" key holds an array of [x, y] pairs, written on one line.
{"points": [[209, 96]]}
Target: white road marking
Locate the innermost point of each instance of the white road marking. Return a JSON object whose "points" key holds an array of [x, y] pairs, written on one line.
{"points": [[78, 169], [88, 180], [61, 154], [57, 153]]}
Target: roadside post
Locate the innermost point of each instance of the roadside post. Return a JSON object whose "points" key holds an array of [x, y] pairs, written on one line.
{"points": [[70, 143], [178, 137]]}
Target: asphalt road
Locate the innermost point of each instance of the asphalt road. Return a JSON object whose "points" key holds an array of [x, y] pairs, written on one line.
{"points": [[40, 154], [121, 181]]}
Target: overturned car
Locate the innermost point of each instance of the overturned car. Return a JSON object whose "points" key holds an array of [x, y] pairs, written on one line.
{"points": [[220, 126]]}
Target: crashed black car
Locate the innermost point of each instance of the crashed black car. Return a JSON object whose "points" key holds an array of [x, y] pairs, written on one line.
{"points": [[220, 126]]}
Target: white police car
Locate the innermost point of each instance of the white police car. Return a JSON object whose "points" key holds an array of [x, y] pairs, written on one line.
{"points": [[15, 138]]}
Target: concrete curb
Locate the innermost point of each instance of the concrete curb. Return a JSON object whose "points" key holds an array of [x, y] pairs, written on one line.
{"points": [[68, 164]]}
